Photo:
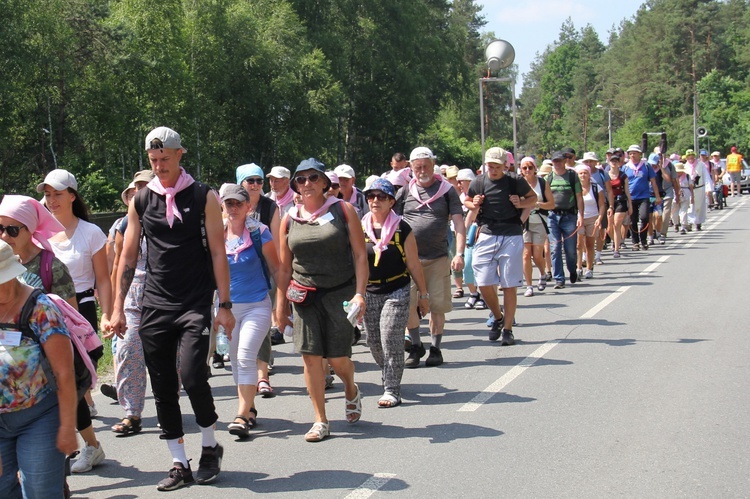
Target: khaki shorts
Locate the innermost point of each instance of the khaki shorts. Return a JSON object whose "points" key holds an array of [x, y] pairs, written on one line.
{"points": [[437, 274], [535, 234], [589, 228]]}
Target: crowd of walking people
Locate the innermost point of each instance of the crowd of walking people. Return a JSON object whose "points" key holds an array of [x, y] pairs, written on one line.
{"points": [[315, 258]]}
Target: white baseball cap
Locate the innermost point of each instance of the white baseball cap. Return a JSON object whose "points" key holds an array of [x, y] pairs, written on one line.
{"points": [[590, 156], [344, 171], [421, 153], [59, 180], [280, 172]]}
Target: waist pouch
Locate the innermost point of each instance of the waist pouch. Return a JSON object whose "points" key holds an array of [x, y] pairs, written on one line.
{"points": [[306, 295]]}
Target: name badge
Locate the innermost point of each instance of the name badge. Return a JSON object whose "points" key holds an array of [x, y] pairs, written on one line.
{"points": [[325, 219], [10, 338]]}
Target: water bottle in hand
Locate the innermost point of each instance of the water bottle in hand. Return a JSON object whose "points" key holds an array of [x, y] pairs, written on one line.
{"points": [[222, 342], [352, 312]]}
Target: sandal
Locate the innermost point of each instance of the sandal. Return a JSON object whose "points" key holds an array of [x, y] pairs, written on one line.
{"points": [[353, 415], [252, 421], [265, 389], [240, 430], [389, 400], [471, 301], [318, 432], [129, 424], [458, 293]]}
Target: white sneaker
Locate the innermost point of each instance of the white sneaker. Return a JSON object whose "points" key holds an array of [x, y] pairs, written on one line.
{"points": [[589, 274], [93, 411], [529, 291], [88, 458]]}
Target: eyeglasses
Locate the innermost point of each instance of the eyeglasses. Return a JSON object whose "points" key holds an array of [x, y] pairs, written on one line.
{"points": [[335, 186], [254, 180], [312, 178], [13, 230], [382, 196]]}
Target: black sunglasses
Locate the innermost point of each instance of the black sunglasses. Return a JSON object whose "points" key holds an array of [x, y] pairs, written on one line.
{"points": [[528, 167], [335, 186], [302, 179], [382, 196], [254, 180], [13, 230]]}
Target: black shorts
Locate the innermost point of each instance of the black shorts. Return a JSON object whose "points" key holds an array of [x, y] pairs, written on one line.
{"points": [[621, 206]]}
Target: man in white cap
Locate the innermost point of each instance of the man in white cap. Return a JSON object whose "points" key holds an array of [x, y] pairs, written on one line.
{"points": [[278, 179], [349, 191], [427, 204], [187, 262], [498, 251]]}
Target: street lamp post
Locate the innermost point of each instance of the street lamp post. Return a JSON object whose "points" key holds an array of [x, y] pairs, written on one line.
{"points": [[609, 121], [499, 54]]}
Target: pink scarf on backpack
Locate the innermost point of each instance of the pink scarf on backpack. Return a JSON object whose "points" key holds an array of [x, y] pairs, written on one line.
{"points": [[183, 182], [386, 232], [444, 187]]}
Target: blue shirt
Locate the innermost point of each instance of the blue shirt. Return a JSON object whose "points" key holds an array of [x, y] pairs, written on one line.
{"points": [[639, 179], [246, 281]]}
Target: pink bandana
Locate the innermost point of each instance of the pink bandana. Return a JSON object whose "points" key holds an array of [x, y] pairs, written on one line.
{"points": [[284, 200], [386, 232], [247, 242], [183, 182], [38, 220], [294, 211], [444, 187], [353, 200]]}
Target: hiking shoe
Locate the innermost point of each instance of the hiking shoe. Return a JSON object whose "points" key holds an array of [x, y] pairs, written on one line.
{"points": [[108, 391], [416, 352], [542, 284], [529, 291], [496, 330], [277, 337], [89, 457], [210, 464], [480, 305], [471, 301], [177, 477], [589, 274], [435, 358], [559, 285], [507, 338]]}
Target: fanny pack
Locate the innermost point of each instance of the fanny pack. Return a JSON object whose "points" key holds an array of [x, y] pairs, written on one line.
{"points": [[299, 294]]}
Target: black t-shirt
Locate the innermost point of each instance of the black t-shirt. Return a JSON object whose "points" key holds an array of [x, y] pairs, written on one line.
{"points": [[391, 264], [498, 216]]}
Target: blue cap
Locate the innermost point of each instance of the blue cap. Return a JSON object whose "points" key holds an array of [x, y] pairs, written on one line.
{"points": [[704, 152], [310, 164], [653, 159], [249, 170], [384, 185]]}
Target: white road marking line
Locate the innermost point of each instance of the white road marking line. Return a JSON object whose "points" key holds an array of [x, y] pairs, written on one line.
{"points": [[370, 486], [606, 301], [506, 378], [654, 265]]}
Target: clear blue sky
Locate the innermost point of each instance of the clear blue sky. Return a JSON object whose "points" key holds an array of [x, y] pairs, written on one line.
{"points": [[531, 25]]}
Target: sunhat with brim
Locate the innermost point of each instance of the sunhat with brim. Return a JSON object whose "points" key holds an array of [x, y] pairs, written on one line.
{"points": [[635, 148], [680, 167], [590, 156], [59, 180], [381, 184], [10, 267], [715, 153], [310, 164], [236, 192], [248, 170], [690, 152], [124, 194], [465, 174], [451, 171], [143, 176]]}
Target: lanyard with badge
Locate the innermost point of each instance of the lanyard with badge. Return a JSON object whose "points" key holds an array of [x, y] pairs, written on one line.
{"points": [[10, 335]]}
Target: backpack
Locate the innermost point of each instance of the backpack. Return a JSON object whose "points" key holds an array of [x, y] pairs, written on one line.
{"points": [[565, 204], [82, 336], [513, 184], [258, 245]]}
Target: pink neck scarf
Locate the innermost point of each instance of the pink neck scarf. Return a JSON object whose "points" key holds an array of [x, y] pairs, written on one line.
{"points": [[284, 200], [247, 242], [38, 220], [444, 187], [295, 210], [353, 200], [386, 232], [183, 182]]}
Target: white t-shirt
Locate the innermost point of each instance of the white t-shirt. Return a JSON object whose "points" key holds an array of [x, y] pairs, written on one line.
{"points": [[77, 254], [590, 207]]}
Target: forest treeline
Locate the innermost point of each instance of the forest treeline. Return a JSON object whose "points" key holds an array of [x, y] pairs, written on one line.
{"points": [[276, 81]]}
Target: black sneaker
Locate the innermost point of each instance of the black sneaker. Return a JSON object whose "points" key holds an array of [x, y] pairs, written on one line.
{"points": [[108, 391], [497, 327], [573, 277], [548, 276], [210, 464], [218, 361], [177, 477], [357, 335], [277, 338], [416, 352], [435, 358], [507, 338]]}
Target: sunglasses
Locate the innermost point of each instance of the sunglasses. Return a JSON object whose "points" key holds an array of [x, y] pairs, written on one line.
{"points": [[528, 168], [302, 179], [13, 230], [254, 180], [335, 186], [382, 196]]}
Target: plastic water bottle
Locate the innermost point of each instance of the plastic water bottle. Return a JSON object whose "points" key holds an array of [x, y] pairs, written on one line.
{"points": [[471, 235], [352, 311], [222, 342]]}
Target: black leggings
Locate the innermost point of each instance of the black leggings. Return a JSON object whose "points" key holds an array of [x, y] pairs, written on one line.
{"points": [[640, 213]]}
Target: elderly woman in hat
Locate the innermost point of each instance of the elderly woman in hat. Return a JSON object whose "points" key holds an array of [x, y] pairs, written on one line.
{"points": [[393, 261], [36, 419], [323, 263]]}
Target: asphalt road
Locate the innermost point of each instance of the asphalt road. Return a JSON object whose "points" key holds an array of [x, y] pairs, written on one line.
{"points": [[632, 384]]}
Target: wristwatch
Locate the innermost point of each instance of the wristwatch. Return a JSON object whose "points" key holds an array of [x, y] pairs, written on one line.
{"points": [[460, 254], [425, 296], [226, 304]]}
